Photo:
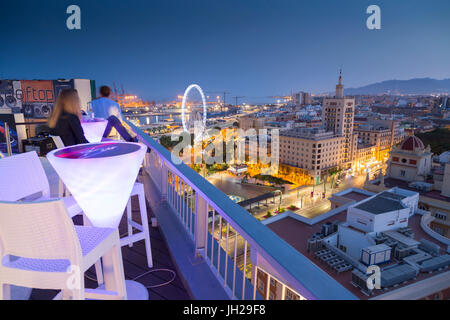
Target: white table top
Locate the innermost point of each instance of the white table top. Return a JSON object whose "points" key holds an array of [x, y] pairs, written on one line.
{"points": [[100, 177]]}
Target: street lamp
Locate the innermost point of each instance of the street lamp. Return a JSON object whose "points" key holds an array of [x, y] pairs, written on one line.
{"points": [[279, 204]]}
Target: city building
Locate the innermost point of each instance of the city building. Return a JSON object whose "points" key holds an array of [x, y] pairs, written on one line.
{"points": [[441, 173], [319, 149], [338, 116], [306, 98], [388, 210], [381, 134], [315, 150], [364, 229], [411, 167], [301, 99], [296, 99], [410, 161], [252, 122], [365, 156]]}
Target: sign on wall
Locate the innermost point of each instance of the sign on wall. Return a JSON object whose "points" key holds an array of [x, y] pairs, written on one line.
{"points": [[35, 98], [11, 95]]}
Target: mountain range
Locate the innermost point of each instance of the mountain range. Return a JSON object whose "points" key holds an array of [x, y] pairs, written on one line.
{"points": [[413, 86]]}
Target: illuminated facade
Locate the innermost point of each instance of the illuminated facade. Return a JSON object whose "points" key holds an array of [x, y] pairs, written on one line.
{"points": [[318, 150], [381, 134], [251, 122], [365, 155], [312, 149], [411, 161]]}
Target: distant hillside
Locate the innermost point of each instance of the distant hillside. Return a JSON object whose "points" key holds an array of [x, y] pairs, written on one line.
{"points": [[413, 86]]}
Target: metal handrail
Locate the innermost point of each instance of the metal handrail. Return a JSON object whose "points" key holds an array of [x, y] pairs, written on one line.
{"points": [[301, 273], [8, 140]]}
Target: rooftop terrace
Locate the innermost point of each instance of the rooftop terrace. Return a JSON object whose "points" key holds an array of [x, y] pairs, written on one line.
{"points": [[434, 194], [163, 283], [213, 246], [382, 203], [297, 233], [223, 237]]}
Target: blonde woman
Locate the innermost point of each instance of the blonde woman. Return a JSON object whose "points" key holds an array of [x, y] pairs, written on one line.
{"points": [[65, 118]]}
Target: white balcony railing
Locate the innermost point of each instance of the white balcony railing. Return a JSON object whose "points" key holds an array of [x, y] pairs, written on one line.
{"points": [[248, 259]]}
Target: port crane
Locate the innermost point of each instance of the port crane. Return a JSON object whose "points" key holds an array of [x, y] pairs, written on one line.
{"points": [[236, 99], [224, 95]]}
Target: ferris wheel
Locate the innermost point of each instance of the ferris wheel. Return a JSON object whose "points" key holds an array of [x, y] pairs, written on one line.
{"points": [[194, 116]]}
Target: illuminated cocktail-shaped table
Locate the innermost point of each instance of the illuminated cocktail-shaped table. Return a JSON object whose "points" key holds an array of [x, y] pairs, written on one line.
{"points": [[94, 129], [100, 177]]}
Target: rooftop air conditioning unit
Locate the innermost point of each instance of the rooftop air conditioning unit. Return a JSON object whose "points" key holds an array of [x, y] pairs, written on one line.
{"points": [[327, 229]]}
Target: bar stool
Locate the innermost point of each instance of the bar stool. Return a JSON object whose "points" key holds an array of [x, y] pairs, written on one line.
{"points": [[144, 233]]}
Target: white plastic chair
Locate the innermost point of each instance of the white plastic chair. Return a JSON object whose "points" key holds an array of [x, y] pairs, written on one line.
{"points": [[62, 190], [23, 176], [49, 252]]}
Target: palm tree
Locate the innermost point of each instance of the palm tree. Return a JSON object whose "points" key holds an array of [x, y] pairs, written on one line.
{"points": [[332, 174]]}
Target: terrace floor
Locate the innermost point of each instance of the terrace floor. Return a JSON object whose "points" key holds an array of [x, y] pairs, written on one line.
{"points": [[135, 261], [435, 194], [356, 196]]}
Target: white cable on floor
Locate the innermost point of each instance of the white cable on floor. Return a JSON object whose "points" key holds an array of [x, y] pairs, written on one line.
{"points": [[92, 279], [145, 273], [161, 284]]}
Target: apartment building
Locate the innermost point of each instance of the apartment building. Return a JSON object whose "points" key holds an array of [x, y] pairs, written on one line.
{"points": [[338, 115], [366, 228], [334, 145], [366, 153], [381, 134], [252, 122], [314, 149]]}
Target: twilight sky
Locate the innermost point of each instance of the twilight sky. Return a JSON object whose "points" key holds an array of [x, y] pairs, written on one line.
{"points": [[255, 48]]}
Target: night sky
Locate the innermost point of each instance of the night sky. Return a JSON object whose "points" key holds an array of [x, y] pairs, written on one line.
{"points": [[256, 48]]}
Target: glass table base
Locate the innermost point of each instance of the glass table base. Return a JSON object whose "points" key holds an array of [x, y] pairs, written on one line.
{"points": [[20, 293], [135, 290]]}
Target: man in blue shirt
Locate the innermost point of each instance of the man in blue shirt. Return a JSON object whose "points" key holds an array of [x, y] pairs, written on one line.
{"points": [[108, 109]]}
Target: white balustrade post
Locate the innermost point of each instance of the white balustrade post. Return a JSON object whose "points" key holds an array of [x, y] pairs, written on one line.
{"points": [[201, 224], [164, 181]]}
